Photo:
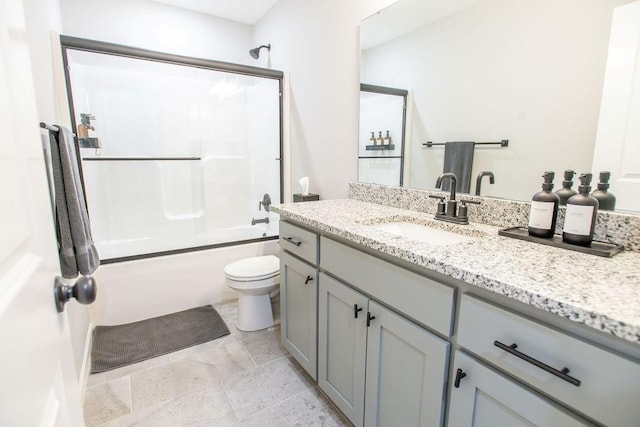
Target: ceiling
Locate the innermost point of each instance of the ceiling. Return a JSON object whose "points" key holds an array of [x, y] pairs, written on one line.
{"points": [[405, 16], [243, 11]]}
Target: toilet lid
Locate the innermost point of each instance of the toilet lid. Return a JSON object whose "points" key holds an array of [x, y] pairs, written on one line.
{"points": [[256, 268]]}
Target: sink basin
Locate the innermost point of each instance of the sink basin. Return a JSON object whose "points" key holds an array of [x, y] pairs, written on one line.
{"points": [[422, 233]]}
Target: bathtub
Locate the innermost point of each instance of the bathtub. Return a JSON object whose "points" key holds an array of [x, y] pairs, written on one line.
{"points": [[134, 290]]}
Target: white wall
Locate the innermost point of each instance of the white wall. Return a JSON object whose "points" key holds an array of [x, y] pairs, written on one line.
{"points": [[155, 26], [530, 72], [317, 43]]}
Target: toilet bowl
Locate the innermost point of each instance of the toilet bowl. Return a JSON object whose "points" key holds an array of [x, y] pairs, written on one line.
{"points": [[257, 281]]}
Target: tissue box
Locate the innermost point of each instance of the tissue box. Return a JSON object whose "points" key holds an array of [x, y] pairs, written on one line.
{"points": [[305, 197]]}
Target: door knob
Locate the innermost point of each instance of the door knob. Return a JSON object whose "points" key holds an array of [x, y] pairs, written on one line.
{"points": [[84, 290]]}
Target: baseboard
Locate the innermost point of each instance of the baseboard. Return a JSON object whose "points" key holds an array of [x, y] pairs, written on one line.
{"points": [[86, 362]]}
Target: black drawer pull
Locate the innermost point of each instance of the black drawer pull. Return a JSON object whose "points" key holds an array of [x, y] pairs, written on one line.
{"points": [[562, 374], [293, 241], [356, 310], [309, 279], [460, 374]]}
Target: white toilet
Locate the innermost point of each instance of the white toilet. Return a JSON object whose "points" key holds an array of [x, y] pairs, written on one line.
{"points": [[257, 281]]}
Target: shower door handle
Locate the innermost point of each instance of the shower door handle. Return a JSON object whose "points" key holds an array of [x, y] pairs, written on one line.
{"points": [[84, 290]]}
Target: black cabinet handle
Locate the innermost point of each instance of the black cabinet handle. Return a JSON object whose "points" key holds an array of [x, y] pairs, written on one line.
{"points": [[293, 241], [460, 374], [309, 279], [356, 310], [369, 318], [562, 374]]}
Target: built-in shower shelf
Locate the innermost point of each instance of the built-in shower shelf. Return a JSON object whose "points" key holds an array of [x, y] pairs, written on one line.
{"points": [[380, 147], [136, 159]]}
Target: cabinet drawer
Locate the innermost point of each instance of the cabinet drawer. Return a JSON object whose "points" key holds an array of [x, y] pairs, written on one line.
{"points": [[300, 242], [424, 300], [609, 385]]}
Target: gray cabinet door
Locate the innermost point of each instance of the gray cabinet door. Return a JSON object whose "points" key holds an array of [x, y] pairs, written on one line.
{"points": [[299, 311], [486, 398], [342, 346], [406, 370]]}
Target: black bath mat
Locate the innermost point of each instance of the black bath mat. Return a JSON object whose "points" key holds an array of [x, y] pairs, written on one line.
{"points": [[116, 346]]}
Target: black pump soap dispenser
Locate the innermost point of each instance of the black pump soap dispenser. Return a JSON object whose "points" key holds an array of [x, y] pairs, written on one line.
{"points": [[580, 219], [566, 191], [544, 209], [607, 200]]}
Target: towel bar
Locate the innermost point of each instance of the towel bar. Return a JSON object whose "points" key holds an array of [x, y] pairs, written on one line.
{"points": [[503, 143]]}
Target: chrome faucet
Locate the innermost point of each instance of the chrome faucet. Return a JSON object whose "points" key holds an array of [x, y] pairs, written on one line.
{"points": [[482, 174]]}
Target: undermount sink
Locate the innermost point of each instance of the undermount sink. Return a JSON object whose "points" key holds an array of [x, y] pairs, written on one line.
{"points": [[422, 233]]}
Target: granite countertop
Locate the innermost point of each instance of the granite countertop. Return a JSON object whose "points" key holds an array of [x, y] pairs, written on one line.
{"points": [[602, 293]]}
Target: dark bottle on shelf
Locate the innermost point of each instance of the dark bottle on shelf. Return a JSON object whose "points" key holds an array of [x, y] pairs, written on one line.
{"points": [[606, 199], [566, 191], [580, 218], [544, 209]]}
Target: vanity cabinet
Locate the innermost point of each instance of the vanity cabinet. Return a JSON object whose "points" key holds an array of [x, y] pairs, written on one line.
{"points": [[299, 295], [593, 381], [378, 367], [379, 339], [481, 397]]}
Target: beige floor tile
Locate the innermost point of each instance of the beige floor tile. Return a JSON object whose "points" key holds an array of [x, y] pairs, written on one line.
{"points": [[261, 387], [208, 406], [103, 377], [107, 401], [265, 347], [169, 381], [309, 408]]}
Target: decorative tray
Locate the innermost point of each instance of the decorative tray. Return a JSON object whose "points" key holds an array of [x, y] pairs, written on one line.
{"points": [[597, 248]]}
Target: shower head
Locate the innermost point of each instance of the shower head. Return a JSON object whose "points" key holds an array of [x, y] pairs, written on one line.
{"points": [[255, 52]]}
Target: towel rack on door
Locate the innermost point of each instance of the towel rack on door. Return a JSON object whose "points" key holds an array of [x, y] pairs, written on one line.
{"points": [[503, 143]]}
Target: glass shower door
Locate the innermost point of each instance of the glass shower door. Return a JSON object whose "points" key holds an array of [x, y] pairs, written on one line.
{"points": [[174, 156]]}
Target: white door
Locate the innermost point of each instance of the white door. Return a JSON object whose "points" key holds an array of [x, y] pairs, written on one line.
{"points": [[617, 146], [38, 385]]}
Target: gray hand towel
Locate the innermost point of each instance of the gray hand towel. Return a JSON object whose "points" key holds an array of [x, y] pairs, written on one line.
{"points": [[76, 249], [458, 159]]}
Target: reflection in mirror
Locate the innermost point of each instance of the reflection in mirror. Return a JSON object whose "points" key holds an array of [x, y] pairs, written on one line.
{"points": [[530, 71], [382, 135]]}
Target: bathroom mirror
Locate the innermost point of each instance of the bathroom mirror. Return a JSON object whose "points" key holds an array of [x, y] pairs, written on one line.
{"points": [[527, 71]]}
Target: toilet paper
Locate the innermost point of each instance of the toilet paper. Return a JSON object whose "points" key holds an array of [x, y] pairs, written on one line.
{"points": [[304, 184]]}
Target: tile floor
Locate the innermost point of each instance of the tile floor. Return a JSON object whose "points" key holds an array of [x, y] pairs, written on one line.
{"points": [[244, 378]]}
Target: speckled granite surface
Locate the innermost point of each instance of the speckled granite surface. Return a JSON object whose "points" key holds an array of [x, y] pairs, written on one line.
{"points": [[603, 293], [611, 227]]}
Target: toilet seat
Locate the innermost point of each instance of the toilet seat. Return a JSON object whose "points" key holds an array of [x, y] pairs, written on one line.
{"points": [[253, 269]]}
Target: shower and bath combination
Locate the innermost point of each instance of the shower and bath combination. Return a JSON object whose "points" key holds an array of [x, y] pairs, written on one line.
{"points": [[255, 52]]}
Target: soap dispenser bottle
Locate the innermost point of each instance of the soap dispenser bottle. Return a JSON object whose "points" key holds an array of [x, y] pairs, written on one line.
{"points": [[544, 209], [580, 218], [607, 200], [566, 191]]}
